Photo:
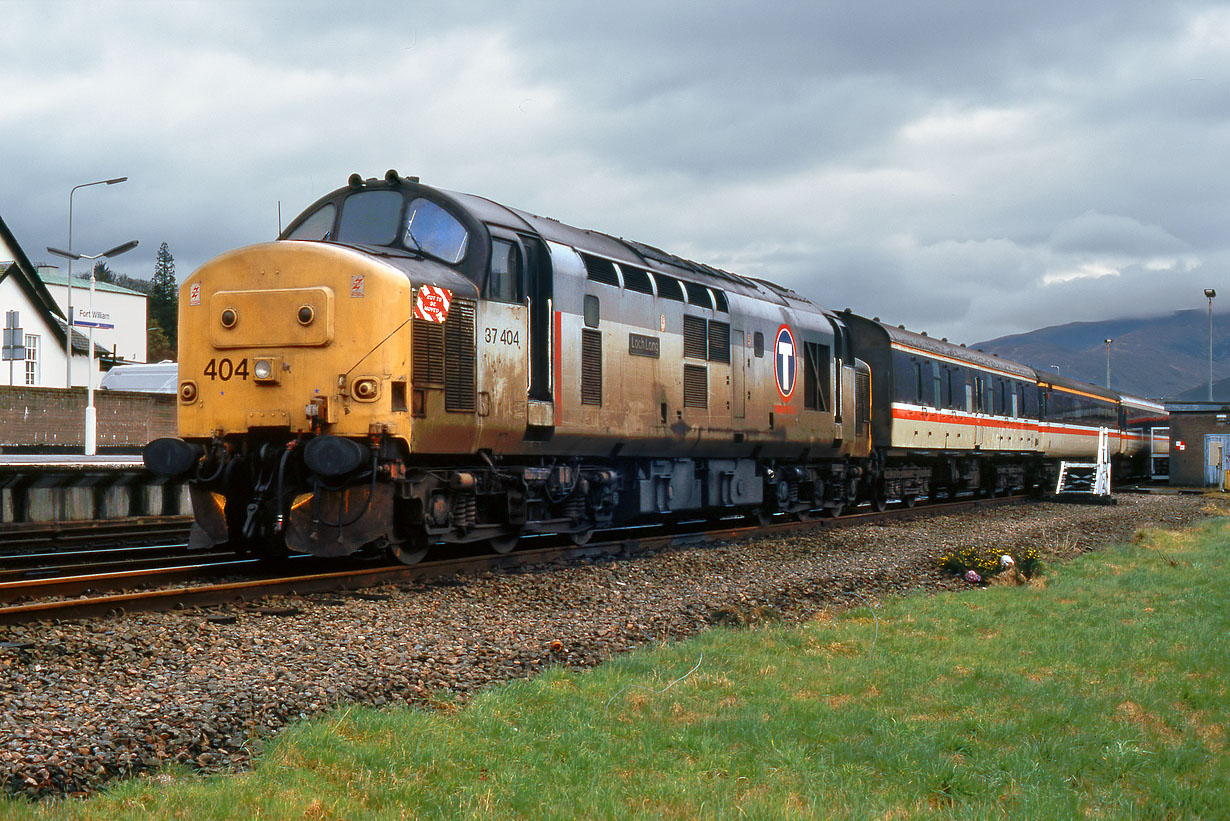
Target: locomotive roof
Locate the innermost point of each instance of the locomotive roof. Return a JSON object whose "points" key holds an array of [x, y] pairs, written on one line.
{"points": [[618, 249], [629, 252]]}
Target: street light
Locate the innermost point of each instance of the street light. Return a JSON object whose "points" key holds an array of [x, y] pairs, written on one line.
{"points": [[1056, 367], [1108, 341], [91, 415], [68, 336], [1210, 293]]}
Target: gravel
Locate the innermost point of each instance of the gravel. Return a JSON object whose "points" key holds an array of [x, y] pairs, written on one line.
{"points": [[82, 703]]}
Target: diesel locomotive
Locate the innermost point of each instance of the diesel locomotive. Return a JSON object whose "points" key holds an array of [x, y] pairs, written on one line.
{"points": [[408, 366]]}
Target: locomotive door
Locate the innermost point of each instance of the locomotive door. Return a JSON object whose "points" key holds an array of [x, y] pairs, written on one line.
{"points": [[738, 373], [539, 290]]}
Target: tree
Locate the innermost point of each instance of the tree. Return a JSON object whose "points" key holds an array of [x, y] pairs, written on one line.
{"points": [[164, 298], [157, 346]]}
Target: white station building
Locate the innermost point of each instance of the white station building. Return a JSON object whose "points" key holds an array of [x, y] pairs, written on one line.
{"points": [[34, 304]]}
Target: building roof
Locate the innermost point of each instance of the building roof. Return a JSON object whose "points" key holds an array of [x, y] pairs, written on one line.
{"points": [[21, 269], [27, 277], [162, 377], [54, 277], [1202, 406]]}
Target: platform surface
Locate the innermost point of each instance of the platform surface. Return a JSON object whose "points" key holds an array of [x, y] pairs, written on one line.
{"points": [[69, 460]]}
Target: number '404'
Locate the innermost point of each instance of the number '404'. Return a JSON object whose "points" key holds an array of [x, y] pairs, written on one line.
{"points": [[226, 370]]}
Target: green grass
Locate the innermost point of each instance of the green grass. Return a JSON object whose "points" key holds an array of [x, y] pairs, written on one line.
{"points": [[1101, 693]]}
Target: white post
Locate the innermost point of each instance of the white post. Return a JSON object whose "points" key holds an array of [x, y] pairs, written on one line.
{"points": [[91, 417]]}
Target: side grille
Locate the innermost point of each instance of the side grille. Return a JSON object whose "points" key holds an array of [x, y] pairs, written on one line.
{"points": [[591, 367], [459, 357], [695, 386], [427, 338], [719, 342], [695, 337]]}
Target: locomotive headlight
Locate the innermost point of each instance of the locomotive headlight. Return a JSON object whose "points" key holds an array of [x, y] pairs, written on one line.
{"points": [[365, 390], [187, 392], [306, 315], [229, 318], [266, 368]]}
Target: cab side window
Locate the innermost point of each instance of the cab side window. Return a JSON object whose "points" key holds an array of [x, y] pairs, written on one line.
{"points": [[504, 283]]}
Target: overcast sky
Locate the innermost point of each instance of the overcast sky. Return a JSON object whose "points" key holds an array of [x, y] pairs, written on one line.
{"points": [[971, 169]]}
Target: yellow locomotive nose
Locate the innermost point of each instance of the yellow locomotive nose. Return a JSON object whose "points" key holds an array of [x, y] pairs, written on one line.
{"points": [[301, 336]]}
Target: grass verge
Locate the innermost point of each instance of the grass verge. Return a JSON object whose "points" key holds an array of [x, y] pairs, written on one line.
{"points": [[1101, 693]]}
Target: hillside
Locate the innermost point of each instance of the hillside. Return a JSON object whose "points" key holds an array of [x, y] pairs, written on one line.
{"points": [[1165, 356]]}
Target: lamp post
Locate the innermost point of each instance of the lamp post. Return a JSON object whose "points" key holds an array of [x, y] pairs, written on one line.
{"points": [[1210, 293], [1108, 340], [1056, 367], [68, 335], [91, 416]]}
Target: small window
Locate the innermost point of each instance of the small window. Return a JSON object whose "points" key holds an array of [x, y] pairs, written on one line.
{"points": [[758, 344], [317, 226], [698, 295], [600, 270], [918, 380], [431, 229], [636, 280], [719, 301], [591, 311], [504, 284], [370, 218], [32, 359], [668, 287]]}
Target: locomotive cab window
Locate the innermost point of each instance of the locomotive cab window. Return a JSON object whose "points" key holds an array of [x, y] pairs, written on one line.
{"points": [[504, 282], [318, 226], [370, 218], [431, 229]]}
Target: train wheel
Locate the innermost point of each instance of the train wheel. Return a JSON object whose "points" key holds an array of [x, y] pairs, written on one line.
{"points": [[835, 512], [764, 518], [504, 544], [581, 537], [411, 551], [879, 497], [910, 501], [805, 515]]}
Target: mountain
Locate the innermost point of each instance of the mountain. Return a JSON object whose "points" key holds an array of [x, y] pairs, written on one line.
{"points": [[1160, 357]]}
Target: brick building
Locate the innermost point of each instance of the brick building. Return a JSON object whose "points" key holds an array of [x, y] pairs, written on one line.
{"points": [[1199, 443]]}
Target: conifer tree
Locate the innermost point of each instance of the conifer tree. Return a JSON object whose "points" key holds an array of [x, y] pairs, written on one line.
{"points": [[164, 297]]}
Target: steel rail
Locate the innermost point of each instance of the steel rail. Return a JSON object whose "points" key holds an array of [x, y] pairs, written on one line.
{"points": [[359, 577]]}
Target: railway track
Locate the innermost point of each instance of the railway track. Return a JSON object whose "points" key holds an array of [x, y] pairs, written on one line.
{"points": [[222, 578]]}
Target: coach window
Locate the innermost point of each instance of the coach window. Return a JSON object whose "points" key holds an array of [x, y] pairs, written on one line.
{"points": [[504, 284], [431, 229], [918, 381]]}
